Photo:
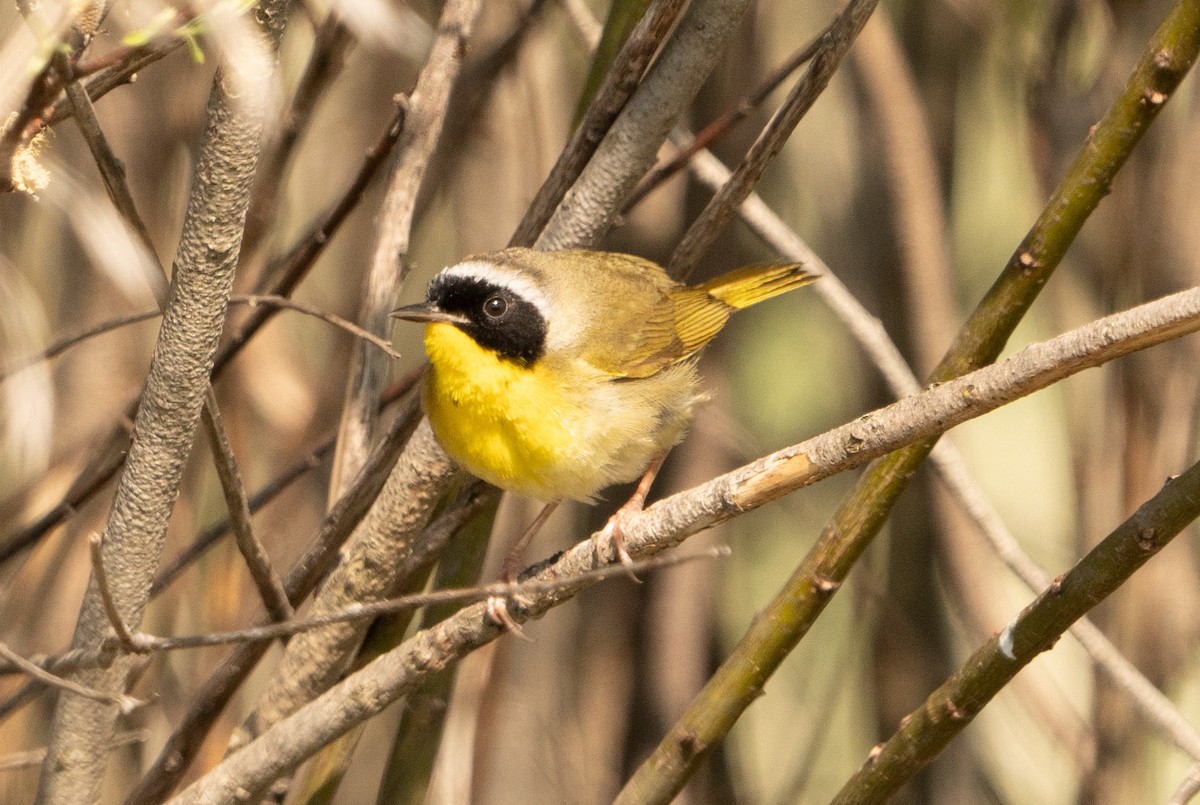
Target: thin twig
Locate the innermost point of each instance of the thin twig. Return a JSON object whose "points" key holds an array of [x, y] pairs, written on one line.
{"points": [[95, 548], [723, 206], [170, 571], [127, 703], [113, 172], [719, 127], [285, 274], [145, 643], [254, 300], [104, 78], [62, 345], [331, 44], [265, 579], [250, 300]]}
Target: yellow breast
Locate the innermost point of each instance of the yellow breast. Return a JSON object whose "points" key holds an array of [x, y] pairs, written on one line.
{"points": [[511, 425]]}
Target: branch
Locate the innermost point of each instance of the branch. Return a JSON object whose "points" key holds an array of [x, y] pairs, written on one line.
{"points": [[388, 546], [266, 580], [167, 417], [181, 747], [723, 206], [630, 147], [268, 300], [670, 521], [620, 80], [949, 463], [127, 704], [949, 709], [62, 345], [426, 115]]}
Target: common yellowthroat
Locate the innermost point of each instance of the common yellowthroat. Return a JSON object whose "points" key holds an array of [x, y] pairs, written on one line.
{"points": [[556, 374]]}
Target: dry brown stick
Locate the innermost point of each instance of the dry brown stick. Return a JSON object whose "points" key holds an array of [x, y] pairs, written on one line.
{"points": [[286, 273], [254, 300], [723, 206], [103, 76], [112, 169], [145, 643], [95, 546]]}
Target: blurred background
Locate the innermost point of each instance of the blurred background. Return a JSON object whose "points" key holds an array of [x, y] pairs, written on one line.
{"points": [[967, 109]]}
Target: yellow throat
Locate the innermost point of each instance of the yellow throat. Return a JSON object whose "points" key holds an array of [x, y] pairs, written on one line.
{"points": [[501, 421]]}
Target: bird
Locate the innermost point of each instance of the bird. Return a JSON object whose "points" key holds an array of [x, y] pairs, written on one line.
{"points": [[555, 374]]}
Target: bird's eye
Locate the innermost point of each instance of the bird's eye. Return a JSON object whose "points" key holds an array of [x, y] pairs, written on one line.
{"points": [[495, 307]]}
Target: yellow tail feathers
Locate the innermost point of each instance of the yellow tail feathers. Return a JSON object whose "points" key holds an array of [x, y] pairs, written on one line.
{"points": [[747, 286]]}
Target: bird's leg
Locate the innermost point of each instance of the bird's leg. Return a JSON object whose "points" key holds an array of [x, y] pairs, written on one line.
{"points": [[613, 532], [497, 606]]}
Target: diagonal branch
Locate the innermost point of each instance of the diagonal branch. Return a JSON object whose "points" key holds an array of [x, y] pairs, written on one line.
{"points": [[629, 149], [670, 521], [1167, 58], [619, 82], [722, 207], [949, 463], [950, 708]]}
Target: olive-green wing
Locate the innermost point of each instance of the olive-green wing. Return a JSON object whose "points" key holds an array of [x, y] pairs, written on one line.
{"points": [[683, 319]]}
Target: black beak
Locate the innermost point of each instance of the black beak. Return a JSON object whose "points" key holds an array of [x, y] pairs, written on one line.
{"points": [[428, 311]]}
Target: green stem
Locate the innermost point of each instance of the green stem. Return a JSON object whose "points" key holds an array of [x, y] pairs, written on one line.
{"points": [[927, 730]]}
